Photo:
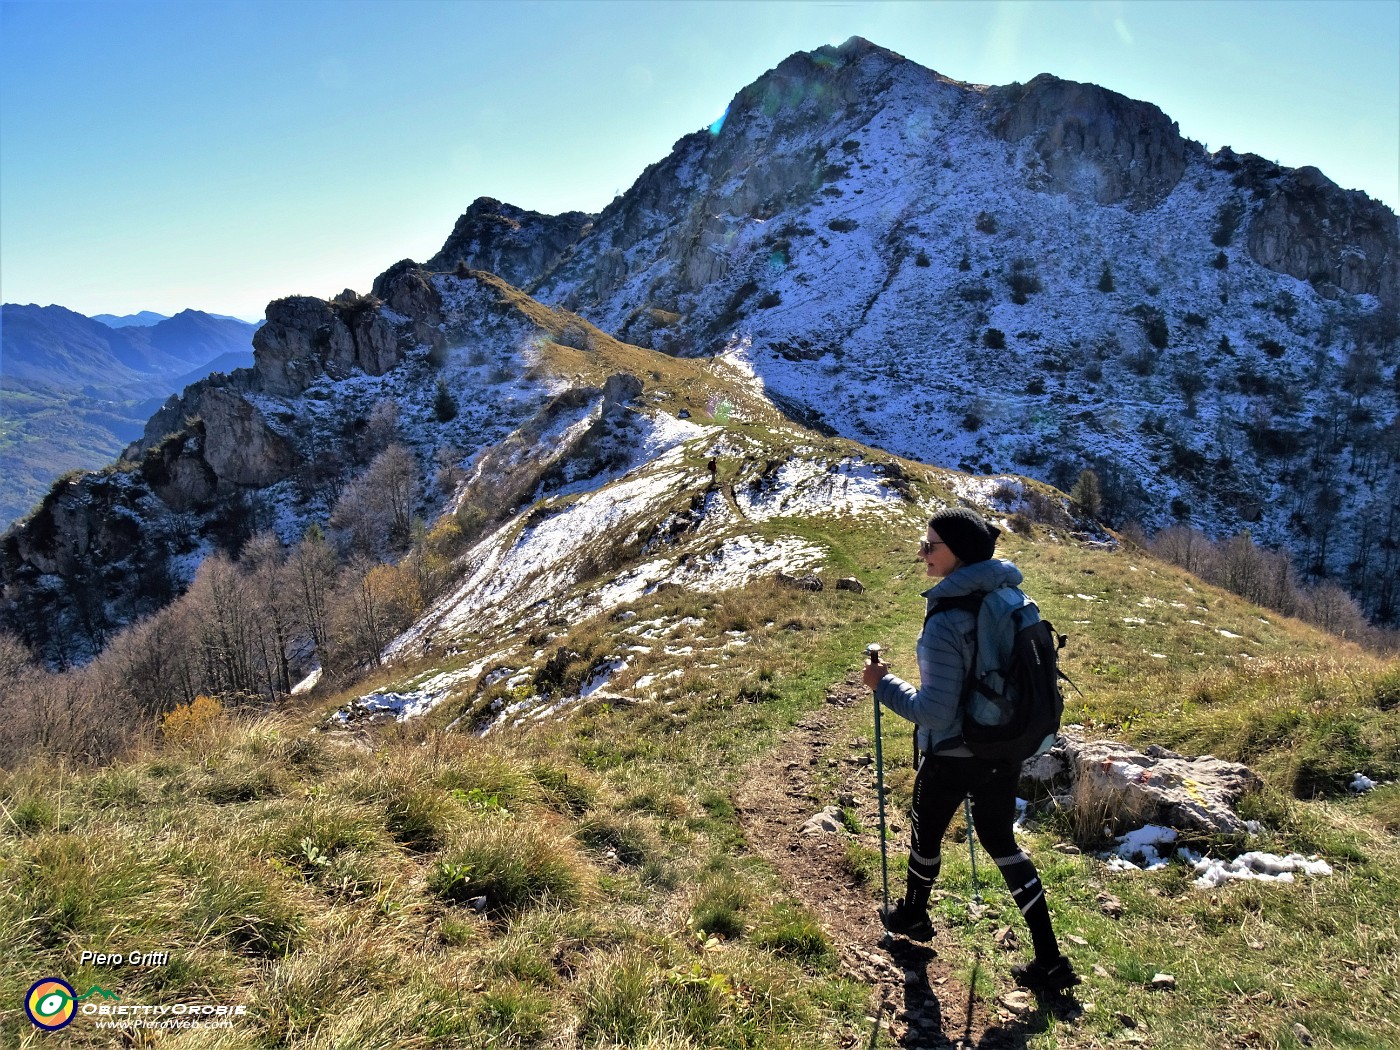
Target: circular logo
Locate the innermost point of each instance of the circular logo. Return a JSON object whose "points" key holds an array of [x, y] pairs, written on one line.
{"points": [[51, 1003]]}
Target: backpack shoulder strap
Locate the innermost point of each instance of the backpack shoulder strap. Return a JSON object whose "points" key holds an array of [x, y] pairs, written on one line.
{"points": [[970, 602]]}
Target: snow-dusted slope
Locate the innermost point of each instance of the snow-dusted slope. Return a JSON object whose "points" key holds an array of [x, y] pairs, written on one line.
{"points": [[664, 522], [1037, 279]]}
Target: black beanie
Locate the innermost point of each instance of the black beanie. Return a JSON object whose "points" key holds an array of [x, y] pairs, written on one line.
{"points": [[967, 535]]}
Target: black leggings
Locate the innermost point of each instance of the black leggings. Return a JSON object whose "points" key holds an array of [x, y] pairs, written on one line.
{"points": [[939, 789], [940, 786]]}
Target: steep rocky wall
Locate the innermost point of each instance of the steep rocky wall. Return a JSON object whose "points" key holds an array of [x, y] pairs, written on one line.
{"points": [[1340, 240], [1093, 140]]}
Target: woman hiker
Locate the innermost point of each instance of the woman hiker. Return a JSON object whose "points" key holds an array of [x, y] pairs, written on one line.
{"points": [[958, 549]]}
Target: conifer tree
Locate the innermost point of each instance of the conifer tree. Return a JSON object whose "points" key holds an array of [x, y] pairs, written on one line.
{"points": [[1087, 496]]}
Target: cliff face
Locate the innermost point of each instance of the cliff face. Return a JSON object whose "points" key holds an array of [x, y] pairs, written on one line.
{"points": [[1340, 241], [513, 243], [1094, 142]]}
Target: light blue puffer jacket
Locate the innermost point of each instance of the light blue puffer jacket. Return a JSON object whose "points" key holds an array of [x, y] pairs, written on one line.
{"points": [[946, 651]]}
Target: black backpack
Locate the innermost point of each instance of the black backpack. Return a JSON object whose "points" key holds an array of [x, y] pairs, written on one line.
{"points": [[1011, 702]]}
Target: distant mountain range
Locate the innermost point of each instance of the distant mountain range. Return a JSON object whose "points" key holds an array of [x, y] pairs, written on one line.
{"points": [[75, 390], [147, 318]]}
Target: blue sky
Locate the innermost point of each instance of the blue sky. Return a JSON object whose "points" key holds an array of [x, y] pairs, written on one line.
{"points": [[219, 155]]}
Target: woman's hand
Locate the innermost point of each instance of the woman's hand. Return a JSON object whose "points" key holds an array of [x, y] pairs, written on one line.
{"points": [[873, 674]]}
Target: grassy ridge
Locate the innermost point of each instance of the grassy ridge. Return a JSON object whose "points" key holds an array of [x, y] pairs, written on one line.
{"points": [[584, 882]]}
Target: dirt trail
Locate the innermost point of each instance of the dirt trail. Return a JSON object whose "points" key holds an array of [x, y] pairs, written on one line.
{"points": [[914, 996]]}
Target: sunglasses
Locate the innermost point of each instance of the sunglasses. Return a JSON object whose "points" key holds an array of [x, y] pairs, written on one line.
{"points": [[926, 548]]}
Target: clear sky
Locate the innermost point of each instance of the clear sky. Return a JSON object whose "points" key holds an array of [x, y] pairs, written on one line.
{"points": [[218, 155]]}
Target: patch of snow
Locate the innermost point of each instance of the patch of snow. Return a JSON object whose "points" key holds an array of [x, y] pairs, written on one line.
{"points": [[734, 563], [1141, 850], [308, 683], [1227, 634], [1000, 492], [601, 676], [1150, 849], [1362, 784], [528, 710], [808, 488], [1260, 867], [409, 703]]}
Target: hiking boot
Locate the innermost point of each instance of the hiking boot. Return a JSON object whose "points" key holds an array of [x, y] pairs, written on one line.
{"points": [[1058, 976], [906, 921]]}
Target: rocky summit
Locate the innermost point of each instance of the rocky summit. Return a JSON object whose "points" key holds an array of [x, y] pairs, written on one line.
{"points": [[1032, 279]]}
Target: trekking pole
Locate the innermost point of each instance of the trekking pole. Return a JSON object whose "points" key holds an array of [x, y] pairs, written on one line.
{"points": [[971, 852], [873, 651]]}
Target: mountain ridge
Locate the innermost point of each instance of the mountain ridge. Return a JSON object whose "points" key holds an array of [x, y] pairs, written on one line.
{"points": [[916, 264]]}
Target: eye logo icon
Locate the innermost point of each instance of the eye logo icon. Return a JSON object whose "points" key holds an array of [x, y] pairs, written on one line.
{"points": [[51, 1004]]}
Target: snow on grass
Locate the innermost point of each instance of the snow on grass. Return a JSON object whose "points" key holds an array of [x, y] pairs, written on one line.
{"points": [[1150, 848], [408, 703], [1002, 492], [1257, 867], [517, 567], [807, 488], [529, 708], [735, 562]]}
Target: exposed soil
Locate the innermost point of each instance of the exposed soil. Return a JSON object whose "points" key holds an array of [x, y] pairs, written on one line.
{"points": [[915, 997]]}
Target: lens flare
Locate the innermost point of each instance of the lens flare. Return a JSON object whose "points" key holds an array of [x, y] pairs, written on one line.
{"points": [[718, 408]]}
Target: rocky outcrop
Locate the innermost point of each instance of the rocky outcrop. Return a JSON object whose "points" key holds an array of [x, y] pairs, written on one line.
{"points": [[307, 338], [517, 245], [178, 473], [87, 520], [1126, 788], [406, 291], [239, 446], [1094, 141], [1339, 240]]}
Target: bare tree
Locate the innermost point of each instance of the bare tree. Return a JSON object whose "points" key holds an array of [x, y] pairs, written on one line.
{"points": [[269, 586], [374, 514], [312, 570], [1187, 547], [228, 629]]}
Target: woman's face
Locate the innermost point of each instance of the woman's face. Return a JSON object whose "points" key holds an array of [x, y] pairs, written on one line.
{"points": [[939, 559]]}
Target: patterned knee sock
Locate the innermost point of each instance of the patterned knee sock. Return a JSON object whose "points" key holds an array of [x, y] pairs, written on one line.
{"points": [[1029, 895], [922, 873]]}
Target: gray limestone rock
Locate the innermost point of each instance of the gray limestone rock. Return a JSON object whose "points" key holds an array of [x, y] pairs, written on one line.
{"points": [[1340, 240], [1132, 788], [1094, 141]]}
